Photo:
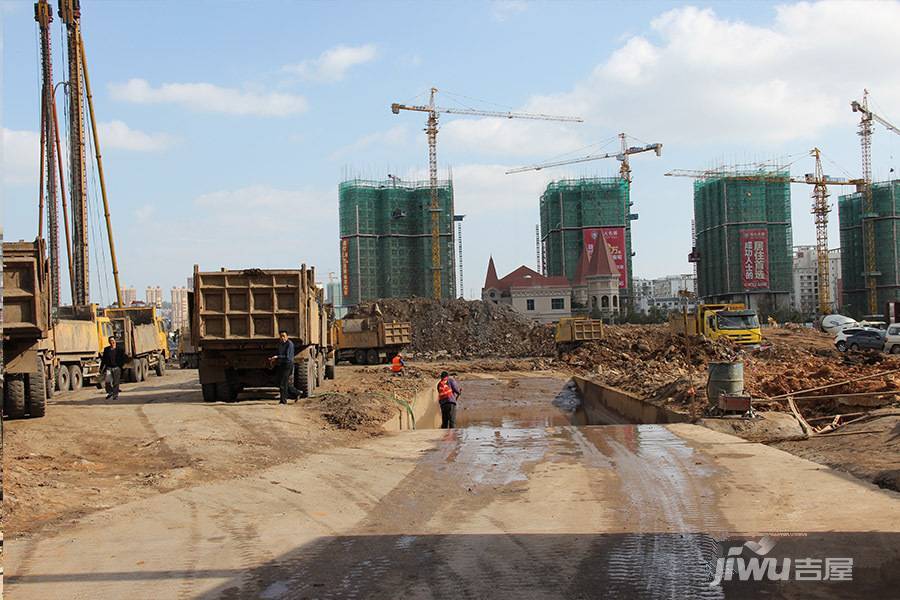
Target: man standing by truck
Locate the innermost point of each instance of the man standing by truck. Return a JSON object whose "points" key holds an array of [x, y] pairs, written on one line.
{"points": [[448, 393], [111, 364], [284, 364]]}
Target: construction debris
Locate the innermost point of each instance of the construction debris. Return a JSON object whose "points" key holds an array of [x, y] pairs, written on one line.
{"points": [[466, 329]]}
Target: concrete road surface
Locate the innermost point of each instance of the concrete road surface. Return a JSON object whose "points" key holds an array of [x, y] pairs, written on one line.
{"points": [[618, 511]]}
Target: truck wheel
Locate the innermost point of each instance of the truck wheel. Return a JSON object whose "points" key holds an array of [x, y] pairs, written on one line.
{"points": [[320, 371], [37, 392], [372, 357], [75, 377], [62, 379], [209, 392], [329, 370], [15, 396], [359, 357], [226, 392], [160, 366], [145, 369], [301, 377]]}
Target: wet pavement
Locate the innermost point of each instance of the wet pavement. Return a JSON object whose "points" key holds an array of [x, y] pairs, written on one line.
{"points": [[516, 503]]}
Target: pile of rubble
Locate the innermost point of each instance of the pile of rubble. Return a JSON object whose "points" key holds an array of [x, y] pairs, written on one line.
{"points": [[654, 363], [466, 329]]}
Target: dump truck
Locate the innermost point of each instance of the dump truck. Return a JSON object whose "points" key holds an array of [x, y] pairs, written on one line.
{"points": [[80, 335], [27, 358], [236, 317], [370, 340], [142, 335], [188, 357], [571, 332], [715, 321]]}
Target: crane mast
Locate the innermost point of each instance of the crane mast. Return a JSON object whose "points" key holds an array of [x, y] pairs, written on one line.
{"points": [[70, 13], [820, 210], [43, 14], [431, 131]]}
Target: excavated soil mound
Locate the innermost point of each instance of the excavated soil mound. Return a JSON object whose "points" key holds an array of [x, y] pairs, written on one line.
{"points": [[466, 328], [346, 411]]}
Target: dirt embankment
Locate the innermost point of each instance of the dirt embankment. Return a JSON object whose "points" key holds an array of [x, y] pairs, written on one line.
{"points": [[466, 329]]}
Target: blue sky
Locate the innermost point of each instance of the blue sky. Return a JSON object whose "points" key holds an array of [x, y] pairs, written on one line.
{"points": [[227, 126]]}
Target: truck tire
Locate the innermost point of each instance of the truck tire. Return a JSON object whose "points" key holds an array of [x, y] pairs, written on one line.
{"points": [[359, 357], [145, 369], [329, 371], [76, 379], [37, 391], [372, 357], [15, 396], [226, 392], [301, 377], [160, 366], [62, 379], [320, 371], [209, 392]]}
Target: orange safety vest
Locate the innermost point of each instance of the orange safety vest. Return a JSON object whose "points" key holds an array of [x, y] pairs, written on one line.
{"points": [[396, 364], [445, 392]]}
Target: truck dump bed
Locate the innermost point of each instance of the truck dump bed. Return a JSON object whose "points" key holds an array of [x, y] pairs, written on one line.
{"points": [[685, 324], [26, 298], [371, 333], [249, 307], [140, 335], [76, 331]]}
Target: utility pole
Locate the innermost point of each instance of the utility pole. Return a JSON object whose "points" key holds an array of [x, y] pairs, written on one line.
{"points": [[70, 13], [43, 14]]}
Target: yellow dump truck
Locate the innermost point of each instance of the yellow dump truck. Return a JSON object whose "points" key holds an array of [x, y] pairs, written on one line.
{"points": [[715, 321], [142, 335], [79, 337], [571, 332], [371, 340], [28, 363]]}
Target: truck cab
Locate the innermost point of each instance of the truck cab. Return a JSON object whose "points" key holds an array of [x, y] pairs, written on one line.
{"points": [[732, 321]]}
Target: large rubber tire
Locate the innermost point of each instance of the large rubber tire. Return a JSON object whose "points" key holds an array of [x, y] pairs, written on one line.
{"points": [[145, 369], [209, 392], [329, 371], [359, 357], [62, 379], [15, 396], [76, 378], [226, 392], [301, 377], [372, 357], [37, 392], [320, 371], [854, 347], [160, 366]]}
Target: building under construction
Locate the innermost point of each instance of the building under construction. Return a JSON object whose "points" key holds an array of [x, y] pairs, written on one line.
{"points": [[851, 209], [743, 240], [385, 231], [575, 214]]}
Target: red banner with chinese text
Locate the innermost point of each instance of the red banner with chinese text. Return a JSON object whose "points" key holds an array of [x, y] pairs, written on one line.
{"points": [[755, 258]]}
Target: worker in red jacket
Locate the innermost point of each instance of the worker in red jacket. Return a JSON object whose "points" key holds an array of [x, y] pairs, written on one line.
{"points": [[448, 394]]}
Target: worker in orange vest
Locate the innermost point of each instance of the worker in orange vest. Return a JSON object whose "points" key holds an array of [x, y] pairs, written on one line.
{"points": [[448, 393], [397, 365]]}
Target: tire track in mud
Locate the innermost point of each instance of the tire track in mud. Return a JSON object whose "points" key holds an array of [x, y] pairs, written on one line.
{"points": [[190, 553]]}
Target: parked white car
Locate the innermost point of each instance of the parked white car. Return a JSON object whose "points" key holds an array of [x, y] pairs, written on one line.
{"points": [[892, 339], [840, 340]]}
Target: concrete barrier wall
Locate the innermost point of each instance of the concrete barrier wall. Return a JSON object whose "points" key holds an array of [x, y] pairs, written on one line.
{"points": [[597, 398], [425, 409]]}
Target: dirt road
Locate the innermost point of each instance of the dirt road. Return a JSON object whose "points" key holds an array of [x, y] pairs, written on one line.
{"points": [[533, 509]]}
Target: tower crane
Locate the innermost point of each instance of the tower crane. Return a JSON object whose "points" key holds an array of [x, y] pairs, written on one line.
{"points": [[865, 137], [621, 156], [820, 209], [431, 130]]}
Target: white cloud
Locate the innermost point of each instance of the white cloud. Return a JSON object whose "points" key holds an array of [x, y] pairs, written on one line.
{"points": [[696, 78], [333, 64], [117, 134], [503, 10], [393, 137], [20, 156], [207, 97]]}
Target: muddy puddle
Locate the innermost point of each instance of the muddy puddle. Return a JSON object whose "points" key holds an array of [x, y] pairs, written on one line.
{"points": [[517, 403]]}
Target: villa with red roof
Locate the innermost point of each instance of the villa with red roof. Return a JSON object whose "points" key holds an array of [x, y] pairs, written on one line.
{"points": [[594, 290]]}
